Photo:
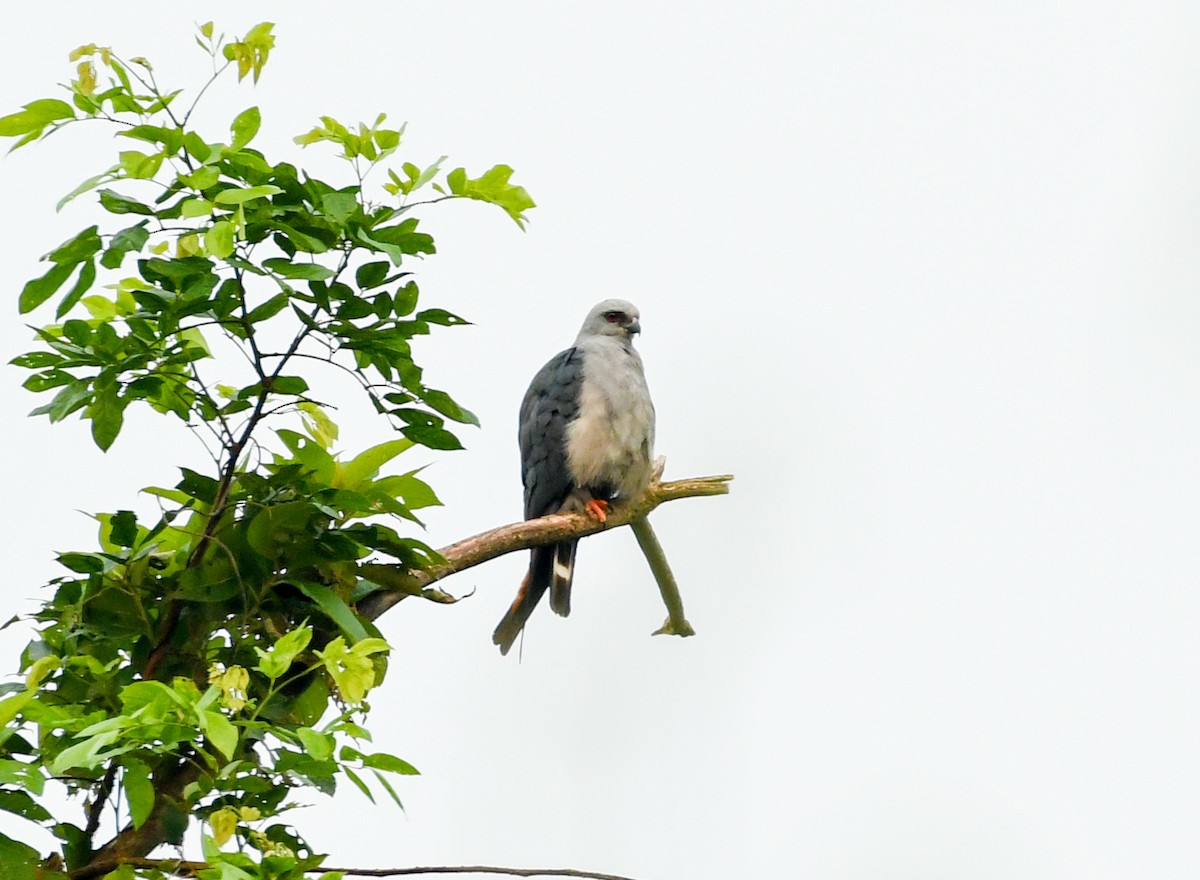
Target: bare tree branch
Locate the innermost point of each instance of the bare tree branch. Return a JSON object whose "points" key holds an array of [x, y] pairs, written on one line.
{"points": [[401, 581]]}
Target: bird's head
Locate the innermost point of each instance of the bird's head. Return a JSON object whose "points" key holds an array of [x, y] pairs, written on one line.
{"points": [[613, 317]]}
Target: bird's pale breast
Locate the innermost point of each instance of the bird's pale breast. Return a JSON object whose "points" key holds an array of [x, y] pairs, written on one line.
{"points": [[611, 441]]}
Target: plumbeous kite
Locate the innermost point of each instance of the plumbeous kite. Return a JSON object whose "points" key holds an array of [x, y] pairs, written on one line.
{"points": [[587, 438]]}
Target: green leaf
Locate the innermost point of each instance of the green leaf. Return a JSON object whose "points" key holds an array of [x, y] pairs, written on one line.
{"points": [[340, 206], [41, 289], [274, 529], [366, 464], [99, 307], [68, 400], [288, 385], [304, 271], [358, 783], [11, 706], [245, 127], [219, 730], [406, 299], [441, 317], [115, 203], [316, 744], [241, 196], [387, 786], [138, 165], [276, 661], [318, 424], [269, 309], [197, 486], [174, 823], [89, 184], [415, 493], [35, 116], [87, 277], [107, 412], [251, 51], [19, 861], [21, 804], [193, 208], [433, 436], [334, 607], [390, 764], [223, 823], [493, 187], [442, 402], [155, 134], [139, 791], [36, 360], [202, 178], [77, 249], [85, 753], [371, 275], [83, 563], [351, 669], [218, 239], [128, 240], [123, 529]]}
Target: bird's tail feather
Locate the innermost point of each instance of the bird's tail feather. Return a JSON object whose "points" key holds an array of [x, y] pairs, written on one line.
{"points": [[537, 581], [561, 575], [550, 568]]}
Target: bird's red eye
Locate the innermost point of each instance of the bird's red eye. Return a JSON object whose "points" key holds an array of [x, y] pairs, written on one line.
{"points": [[613, 317]]}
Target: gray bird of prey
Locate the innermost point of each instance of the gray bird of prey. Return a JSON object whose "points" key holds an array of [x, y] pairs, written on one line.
{"points": [[587, 438]]}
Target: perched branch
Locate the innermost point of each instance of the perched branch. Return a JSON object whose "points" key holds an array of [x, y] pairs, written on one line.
{"points": [[470, 552], [179, 868]]}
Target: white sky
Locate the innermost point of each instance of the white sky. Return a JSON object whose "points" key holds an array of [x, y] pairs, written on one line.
{"points": [[924, 276]]}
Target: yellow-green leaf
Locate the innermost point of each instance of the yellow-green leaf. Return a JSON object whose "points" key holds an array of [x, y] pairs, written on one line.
{"points": [[219, 730], [245, 127], [223, 823], [193, 208], [241, 196], [10, 706], [218, 239]]}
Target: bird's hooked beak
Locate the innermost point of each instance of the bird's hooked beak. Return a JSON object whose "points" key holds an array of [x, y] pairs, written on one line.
{"points": [[634, 328]]}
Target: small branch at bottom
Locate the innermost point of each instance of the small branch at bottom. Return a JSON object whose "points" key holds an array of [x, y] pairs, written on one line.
{"points": [[180, 868], [676, 624]]}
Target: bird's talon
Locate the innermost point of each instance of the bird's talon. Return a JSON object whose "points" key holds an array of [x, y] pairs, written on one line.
{"points": [[598, 509]]}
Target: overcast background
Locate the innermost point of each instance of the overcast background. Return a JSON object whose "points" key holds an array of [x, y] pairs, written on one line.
{"points": [[925, 276]]}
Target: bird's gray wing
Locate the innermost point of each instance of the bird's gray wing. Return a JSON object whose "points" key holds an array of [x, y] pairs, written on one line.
{"points": [[550, 404]]}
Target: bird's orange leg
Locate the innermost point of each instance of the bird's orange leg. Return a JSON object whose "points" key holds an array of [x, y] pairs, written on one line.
{"points": [[598, 509]]}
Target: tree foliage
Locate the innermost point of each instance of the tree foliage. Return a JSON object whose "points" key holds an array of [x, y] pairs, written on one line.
{"points": [[208, 665]]}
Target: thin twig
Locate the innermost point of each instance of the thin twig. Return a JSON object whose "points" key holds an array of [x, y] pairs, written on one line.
{"points": [[181, 868]]}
